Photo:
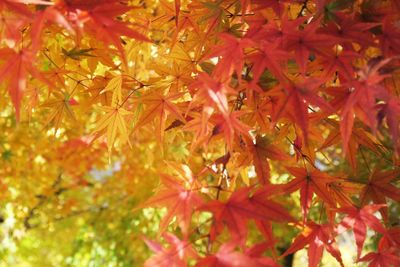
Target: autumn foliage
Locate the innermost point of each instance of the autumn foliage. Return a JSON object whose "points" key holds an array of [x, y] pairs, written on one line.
{"points": [[209, 133]]}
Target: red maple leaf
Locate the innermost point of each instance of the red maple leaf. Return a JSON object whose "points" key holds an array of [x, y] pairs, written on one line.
{"points": [[358, 219], [335, 62], [268, 56], [230, 126], [390, 239], [228, 257], [306, 41], [176, 255], [51, 14], [271, 210], [391, 110], [385, 258], [234, 214], [260, 151], [362, 95], [231, 56], [16, 69], [239, 209], [294, 99], [210, 93], [180, 200], [390, 37], [348, 30], [277, 6], [98, 19], [379, 187], [256, 252], [309, 182], [318, 237]]}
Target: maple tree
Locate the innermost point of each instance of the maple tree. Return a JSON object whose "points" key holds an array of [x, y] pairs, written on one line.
{"points": [[199, 133]]}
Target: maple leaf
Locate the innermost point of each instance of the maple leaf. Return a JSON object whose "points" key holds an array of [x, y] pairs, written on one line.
{"points": [[230, 126], [234, 214], [228, 257], [48, 14], [384, 258], [61, 106], [183, 21], [16, 70], [256, 252], [179, 53], [114, 86], [348, 31], [390, 239], [363, 93], [392, 110], [14, 16], [309, 182], [98, 19], [390, 37], [271, 210], [341, 191], [179, 200], [379, 187], [277, 6], [269, 56], [231, 56], [176, 76], [298, 96], [306, 41], [114, 121], [187, 22], [260, 151], [161, 107], [257, 113], [336, 62], [359, 136], [239, 208], [211, 93], [318, 237], [203, 129], [358, 219], [175, 255]]}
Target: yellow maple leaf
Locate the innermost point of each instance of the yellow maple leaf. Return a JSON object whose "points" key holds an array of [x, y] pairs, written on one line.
{"points": [[60, 106], [114, 122], [114, 86]]}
